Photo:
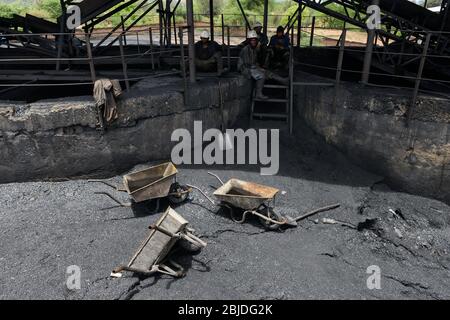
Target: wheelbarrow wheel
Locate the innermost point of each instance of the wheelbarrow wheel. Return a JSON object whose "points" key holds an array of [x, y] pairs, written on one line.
{"points": [[270, 213], [178, 193]]}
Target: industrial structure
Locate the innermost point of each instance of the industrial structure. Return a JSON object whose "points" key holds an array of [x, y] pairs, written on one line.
{"points": [[410, 47]]}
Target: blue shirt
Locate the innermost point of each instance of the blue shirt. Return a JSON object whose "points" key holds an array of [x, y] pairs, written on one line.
{"points": [[282, 41]]}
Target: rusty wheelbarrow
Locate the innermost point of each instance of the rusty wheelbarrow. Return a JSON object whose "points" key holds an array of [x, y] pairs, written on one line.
{"points": [[245, 197], [153, 255], [152, 183]]}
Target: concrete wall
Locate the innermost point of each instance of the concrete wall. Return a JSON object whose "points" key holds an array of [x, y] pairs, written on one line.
{"points": [[58, 138], [369, 127]]}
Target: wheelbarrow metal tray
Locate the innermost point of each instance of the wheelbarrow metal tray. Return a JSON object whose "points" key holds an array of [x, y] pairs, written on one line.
{"points": [[244, 195], [158, 244], [151, 183]]}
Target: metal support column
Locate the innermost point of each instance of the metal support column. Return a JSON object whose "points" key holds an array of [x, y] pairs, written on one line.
{"points": [[423, 59], [211, 19], [339, 69], [124, 64], [150, 36], [299, 24], [168, 23], [61, 36], [191, 45], [223, 30], [89, 53], [313, 26], [160, 21], [122, 22], [265, 18], [249, 27], [183, 64], [371, 34], [291, 90], [340, 57], [228, 48]]}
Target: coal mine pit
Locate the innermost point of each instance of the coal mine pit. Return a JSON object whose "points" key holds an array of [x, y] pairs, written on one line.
{"points": [[139, 160]]}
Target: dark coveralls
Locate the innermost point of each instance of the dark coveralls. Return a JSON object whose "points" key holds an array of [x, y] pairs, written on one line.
{"points": [[279, 47], [252, 64], [208, 57]]}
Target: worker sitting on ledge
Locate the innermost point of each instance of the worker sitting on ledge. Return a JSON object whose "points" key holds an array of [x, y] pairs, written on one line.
{"points": [[262, 37], [208, 55], [279, 50], [252, 64]]}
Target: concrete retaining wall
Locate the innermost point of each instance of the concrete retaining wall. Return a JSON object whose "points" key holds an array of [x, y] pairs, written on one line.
{"points": [[58, 138], [369, 126]]}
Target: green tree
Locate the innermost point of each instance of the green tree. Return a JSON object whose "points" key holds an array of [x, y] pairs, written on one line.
{"points": [[51, 7], [8, 9]]}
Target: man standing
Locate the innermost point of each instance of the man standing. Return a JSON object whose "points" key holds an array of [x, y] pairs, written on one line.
{"points": [[208, 55], [252, 64]]}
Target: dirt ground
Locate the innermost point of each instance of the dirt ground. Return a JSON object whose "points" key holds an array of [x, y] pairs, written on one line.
{"points": [[48, 226], [323, 37]]}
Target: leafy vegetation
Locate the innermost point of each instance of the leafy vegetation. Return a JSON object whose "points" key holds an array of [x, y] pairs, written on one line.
{"points": [[279, 11]]}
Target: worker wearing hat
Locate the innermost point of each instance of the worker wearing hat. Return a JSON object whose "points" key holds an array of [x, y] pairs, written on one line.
{"points": [[279, 50], [252, 64], [208, 55], [257, 27]]}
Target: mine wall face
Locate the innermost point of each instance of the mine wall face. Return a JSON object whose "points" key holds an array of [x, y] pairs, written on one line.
{"points": [[58, 138], [369, 126]]}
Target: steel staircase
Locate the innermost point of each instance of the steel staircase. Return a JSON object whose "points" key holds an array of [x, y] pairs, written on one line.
{"points": [[279, 105]]}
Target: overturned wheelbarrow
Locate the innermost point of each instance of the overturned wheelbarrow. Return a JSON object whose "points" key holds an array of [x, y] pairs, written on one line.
{"points": [[152, 183], [245, 197], [153, 256]]}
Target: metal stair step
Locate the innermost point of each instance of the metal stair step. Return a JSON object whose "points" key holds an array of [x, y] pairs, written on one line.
{"points": [[276, 86], [270, 115], [271, 100]]}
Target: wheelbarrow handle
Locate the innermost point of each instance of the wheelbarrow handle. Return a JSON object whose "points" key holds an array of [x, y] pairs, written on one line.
{"points": [[313, 212], [126, 268], [283, 222], [161, 268], [193, 239], [204, 194], [181, 193], [217, 177], [118, 188], [166, 232], [186, 236], [122, 204]]}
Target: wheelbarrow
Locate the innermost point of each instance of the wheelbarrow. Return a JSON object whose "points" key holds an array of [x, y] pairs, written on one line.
{"points": [[153, 255], [152, 183], [249, 198]]}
